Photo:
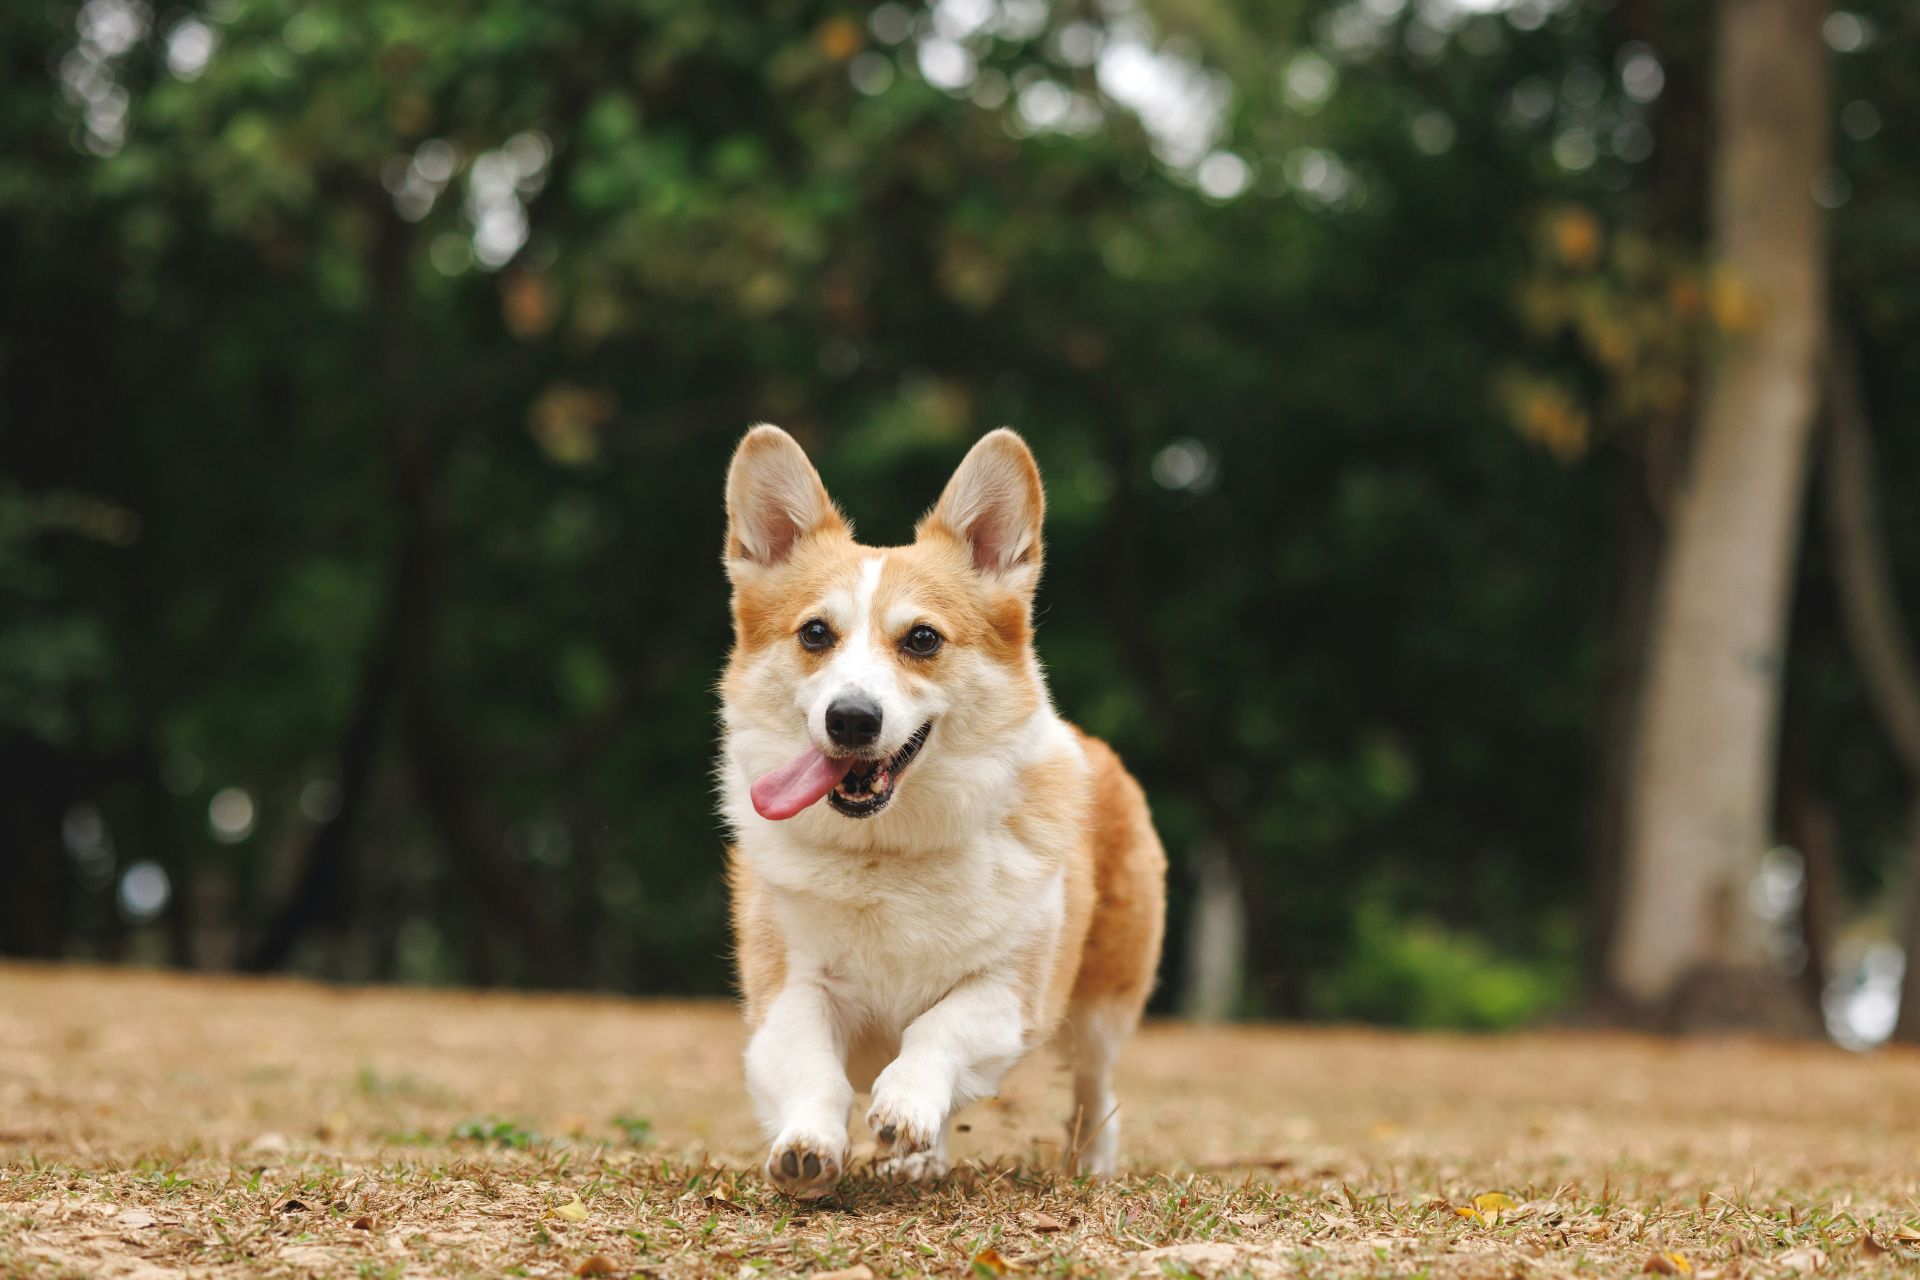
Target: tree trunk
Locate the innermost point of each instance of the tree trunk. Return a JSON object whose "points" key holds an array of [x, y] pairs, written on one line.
{"points": [[1809, 825], [472, 840], [1906, 1030], [1877, 630], [321, 891], [1636, 535], [1216, 942], [1265, 960], [1700, 801], [1644, 472], [36, 875]]}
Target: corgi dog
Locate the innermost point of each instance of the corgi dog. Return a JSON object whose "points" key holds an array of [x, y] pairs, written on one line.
{"points": [[932, 873]]}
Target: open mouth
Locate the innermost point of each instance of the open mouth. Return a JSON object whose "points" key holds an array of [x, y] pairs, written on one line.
{"points": [[869, 784]]}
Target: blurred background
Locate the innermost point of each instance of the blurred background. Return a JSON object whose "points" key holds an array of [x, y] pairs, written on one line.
{"points": [[1480, 442]]}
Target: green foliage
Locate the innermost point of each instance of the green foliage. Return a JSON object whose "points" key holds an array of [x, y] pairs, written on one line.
{"points": [[638, 1131], [365, 392], [497, 1133], [1420, 973]]}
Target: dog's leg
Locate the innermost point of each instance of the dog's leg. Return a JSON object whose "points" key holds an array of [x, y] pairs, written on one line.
{"points": [[953, 1054], [1093, 1130], [797, 1074]]}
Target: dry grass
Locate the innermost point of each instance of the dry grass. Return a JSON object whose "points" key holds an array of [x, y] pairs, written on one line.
{"points": [[154, 1126]]}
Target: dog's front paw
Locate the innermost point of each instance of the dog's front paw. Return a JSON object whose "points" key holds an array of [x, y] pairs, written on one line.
{"points": [[905, 1123], [804, 1166], [921, 1166]]}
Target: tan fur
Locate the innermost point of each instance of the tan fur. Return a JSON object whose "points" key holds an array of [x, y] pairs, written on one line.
{"points": [[1130, 870], [759, 952], [1062, 821], [770, 605]]}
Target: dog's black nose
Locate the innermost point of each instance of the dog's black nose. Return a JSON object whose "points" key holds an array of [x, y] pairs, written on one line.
{"points": [[853, 723]]}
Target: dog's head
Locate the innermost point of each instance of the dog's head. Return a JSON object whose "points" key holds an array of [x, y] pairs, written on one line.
{"points": [[891, 681]]}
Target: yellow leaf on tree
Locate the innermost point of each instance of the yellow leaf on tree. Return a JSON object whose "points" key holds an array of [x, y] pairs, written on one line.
{"points": [[1576, 237], [839, 38], [566, 422], [528, 303], [1736, 308]]}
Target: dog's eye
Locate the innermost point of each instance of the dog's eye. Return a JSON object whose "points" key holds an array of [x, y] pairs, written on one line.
{"points": [[816, 635], [922, 641]]}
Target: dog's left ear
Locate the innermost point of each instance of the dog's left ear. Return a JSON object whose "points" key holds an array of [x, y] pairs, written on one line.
{"points": [[995, 505]]}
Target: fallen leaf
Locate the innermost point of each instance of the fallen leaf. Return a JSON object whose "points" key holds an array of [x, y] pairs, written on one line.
{"points": [[1868, 1245], [858, 1271], [572, 1211], [363, 1223], [1907, 1235], [1044, 1223], [135, 1218], [597, 1265], [1487, 1207], [1806, 1260], [1669, 1263], [291, 1206], [988, 1262]]}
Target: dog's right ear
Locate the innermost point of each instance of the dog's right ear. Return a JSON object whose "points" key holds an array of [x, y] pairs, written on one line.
{"points": [[774, 499]]}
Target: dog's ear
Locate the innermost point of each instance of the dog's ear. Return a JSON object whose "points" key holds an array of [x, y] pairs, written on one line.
{"points": [[994, 504], [774, 499]]}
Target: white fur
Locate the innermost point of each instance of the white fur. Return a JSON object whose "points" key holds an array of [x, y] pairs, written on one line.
{"points": [[1093, 1130], [860, 665], [902, 968], [798, 1080]]}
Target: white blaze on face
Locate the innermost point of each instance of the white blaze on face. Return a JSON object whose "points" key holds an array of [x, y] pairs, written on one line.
{"points": [[862, 665]]}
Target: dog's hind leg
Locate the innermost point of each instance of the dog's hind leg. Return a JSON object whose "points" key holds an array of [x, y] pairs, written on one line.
{"points": [[1119, 959], [1098, 1029]]}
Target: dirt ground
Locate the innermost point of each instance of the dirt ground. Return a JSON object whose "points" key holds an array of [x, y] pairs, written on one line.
{"points": [[158, 1126]]}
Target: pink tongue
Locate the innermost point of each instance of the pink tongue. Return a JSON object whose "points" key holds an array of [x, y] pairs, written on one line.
{"points": [[792, 787]]}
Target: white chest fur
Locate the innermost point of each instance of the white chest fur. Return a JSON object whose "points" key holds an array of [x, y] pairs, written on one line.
{"points": [[889, 933]]}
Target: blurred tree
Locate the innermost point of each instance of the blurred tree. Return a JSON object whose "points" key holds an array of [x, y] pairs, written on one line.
{"points": [[1877, 630], [1699, 807]]}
